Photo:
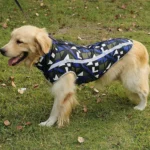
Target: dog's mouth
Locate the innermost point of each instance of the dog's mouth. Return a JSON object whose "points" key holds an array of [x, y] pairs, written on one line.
{"points": [[15, 60]]}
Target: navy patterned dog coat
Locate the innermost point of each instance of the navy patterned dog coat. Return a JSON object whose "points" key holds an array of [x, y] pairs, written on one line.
{"points": [[88, 63]]}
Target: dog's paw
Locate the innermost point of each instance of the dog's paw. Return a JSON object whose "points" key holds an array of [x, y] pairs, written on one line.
{"points": [[42, 124], [139, 108], [47, 123]]}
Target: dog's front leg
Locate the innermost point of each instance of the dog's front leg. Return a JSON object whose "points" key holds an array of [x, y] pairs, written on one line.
{"points": [[53, 115], [64, 94]]}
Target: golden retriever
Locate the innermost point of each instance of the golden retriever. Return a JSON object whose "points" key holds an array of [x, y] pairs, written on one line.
{"points": [[29, 43]]}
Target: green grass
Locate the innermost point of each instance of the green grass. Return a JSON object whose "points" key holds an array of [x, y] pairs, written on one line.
{"points": [[112, 124]]}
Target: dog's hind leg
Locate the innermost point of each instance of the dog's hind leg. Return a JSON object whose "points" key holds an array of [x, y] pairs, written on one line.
{"points": [[143, 100], [64, 100], [138, 85], [138, 98], [134, 98]]}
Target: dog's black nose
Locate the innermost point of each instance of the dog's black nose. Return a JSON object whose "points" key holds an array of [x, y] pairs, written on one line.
{"points": [[2, 51]]}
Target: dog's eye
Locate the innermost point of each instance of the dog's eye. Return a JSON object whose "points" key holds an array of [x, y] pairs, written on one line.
{"points": [[19, 42]]}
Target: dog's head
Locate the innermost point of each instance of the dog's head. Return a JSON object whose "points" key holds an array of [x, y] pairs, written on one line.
{"points": [[27, 44]]}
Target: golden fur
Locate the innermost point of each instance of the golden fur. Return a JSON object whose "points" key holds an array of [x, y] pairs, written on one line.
{"points": [[132, 71]]}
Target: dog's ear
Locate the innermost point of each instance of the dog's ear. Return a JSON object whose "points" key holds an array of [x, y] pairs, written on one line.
{"points": [[43, 41]]}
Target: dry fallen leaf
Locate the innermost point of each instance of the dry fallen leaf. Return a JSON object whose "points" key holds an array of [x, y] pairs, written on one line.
{"points": [[42, 4], [103, 94], [13, 84], [21, 90], [35, 86], [19, 127], [7, 20], [92, 87], [130, 29], [3, 84], [134, 16], [134, 24], [96, 90], [141, 7], [129, 116], [123, 6], [36, 14], [104, 39], [119, 29], [118, 16], [79, 38], [6, 123], [85, 109], [28, 123], [12, 78], [4, 25], [99, 100], [80, 139], [12, 81]]}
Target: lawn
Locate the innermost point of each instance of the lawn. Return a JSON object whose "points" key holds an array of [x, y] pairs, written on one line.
{"points": [[106, 120]]}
